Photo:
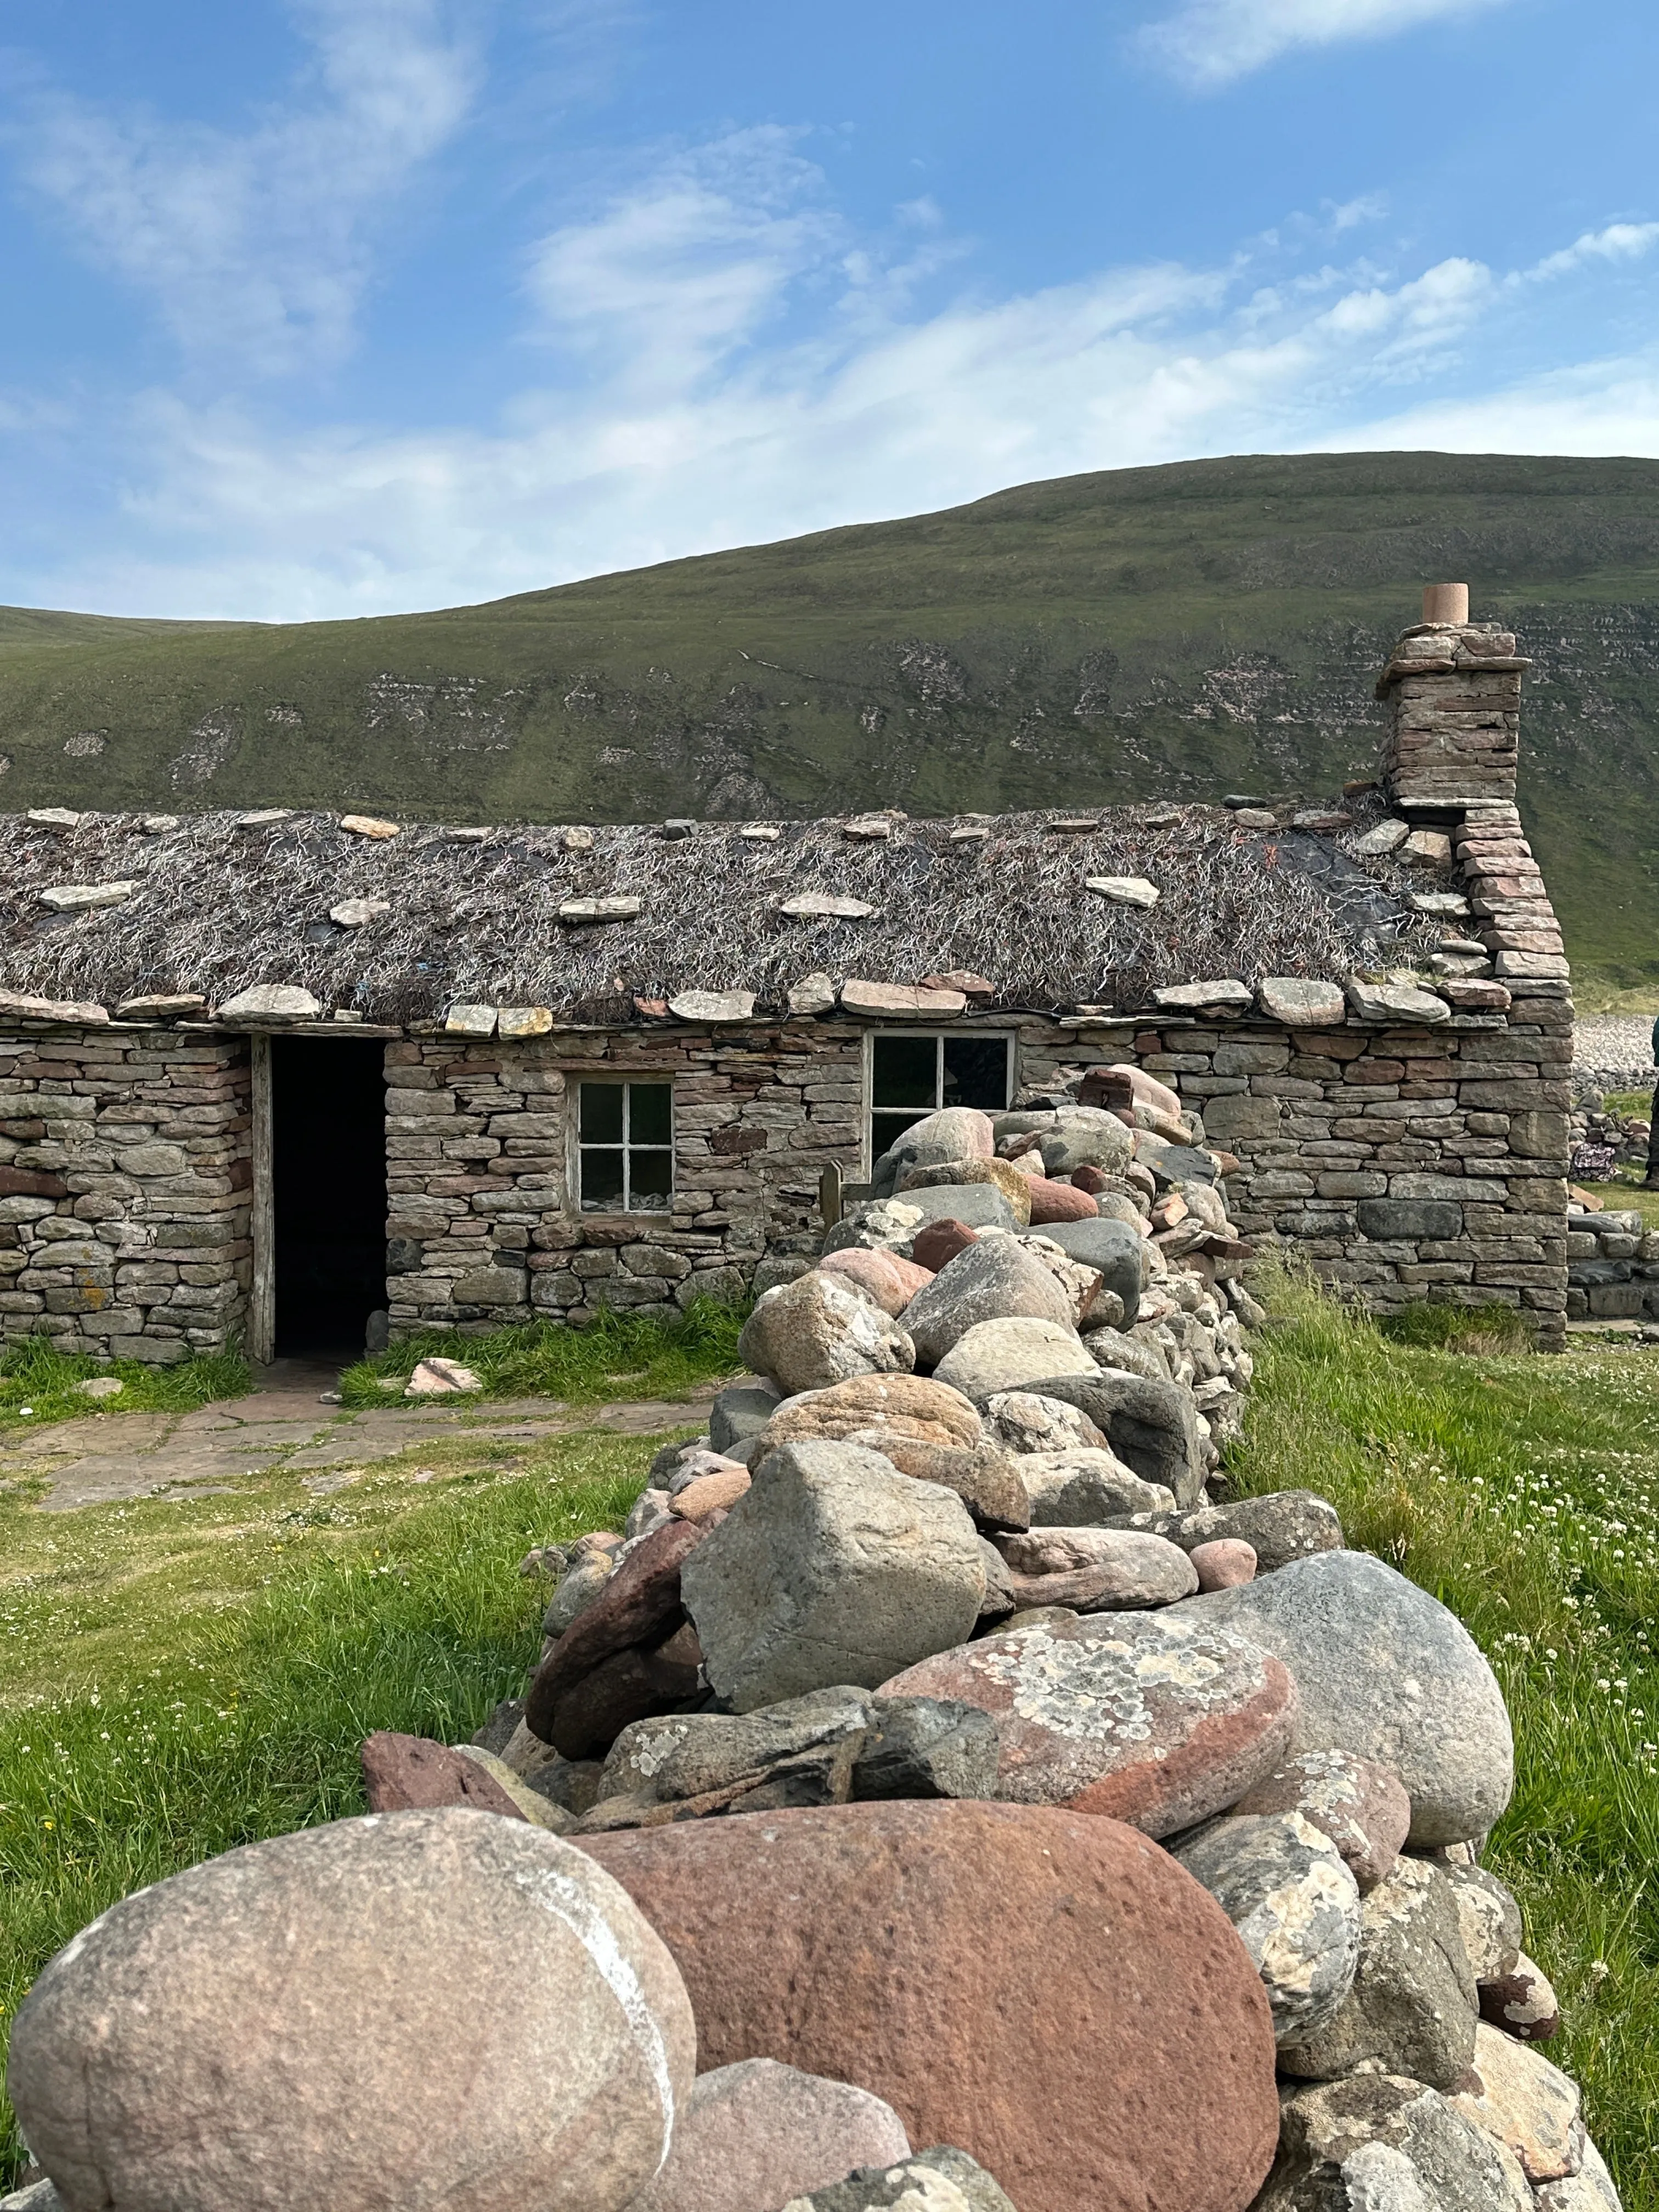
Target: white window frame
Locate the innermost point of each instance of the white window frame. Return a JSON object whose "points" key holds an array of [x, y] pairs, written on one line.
{"points": [[624, 1084], [1008, 1037]]}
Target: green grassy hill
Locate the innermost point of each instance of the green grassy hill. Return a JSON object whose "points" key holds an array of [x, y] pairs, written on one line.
{"points": [[1184, 631]]}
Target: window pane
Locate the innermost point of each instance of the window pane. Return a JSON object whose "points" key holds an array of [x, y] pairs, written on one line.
{"points": [[650, 1176], [602, 1113], [650, 1112], [905, 1073], [602, 1180], [976, 1073], [886, 1129]]}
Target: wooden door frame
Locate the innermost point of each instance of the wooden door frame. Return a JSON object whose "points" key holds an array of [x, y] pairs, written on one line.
{"points": [[262, 1300]]}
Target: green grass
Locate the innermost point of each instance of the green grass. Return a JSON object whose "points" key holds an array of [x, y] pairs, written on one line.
{"points": [[1180, 631], [1627, 1193], [37, 1385], [615, 1355], [181, 1677], [184, 1675], [1635, 1105], [1523, 1491]]}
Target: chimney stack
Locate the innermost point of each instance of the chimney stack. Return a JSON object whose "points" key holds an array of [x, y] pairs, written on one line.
{"points": [[1453, 688], [1445, 604]]}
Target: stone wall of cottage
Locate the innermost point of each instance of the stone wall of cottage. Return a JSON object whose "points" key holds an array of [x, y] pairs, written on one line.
{"points": [[482, 1226], [1404, 1164], [125, 1184]]}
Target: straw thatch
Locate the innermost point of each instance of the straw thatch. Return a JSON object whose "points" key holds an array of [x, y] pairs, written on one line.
{"points": [[219, 905]]}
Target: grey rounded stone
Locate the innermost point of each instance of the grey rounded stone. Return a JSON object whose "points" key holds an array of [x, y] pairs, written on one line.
{"points": [[1097, 1569], [1278, 1527], [1285, 1886], [1490, 1920], [1387, 1673], [1025, 1422], [996, 1279], [832, 1568], [994, 1356], [741, 1411], [1412, 2009], [1360, 1805], [381, 2013], [1086, 1489], [758, 2135], [890, 1225], [1381, 2143], [941, 2180]]}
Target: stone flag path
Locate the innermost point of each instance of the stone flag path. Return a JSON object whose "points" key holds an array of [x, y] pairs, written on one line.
{"points": [[105, 1458]]}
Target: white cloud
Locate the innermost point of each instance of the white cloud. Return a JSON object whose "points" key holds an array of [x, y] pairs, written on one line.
{"points": [[727, 363], [255, 246], [1209, 43], [674, 275], [1619, 242]]}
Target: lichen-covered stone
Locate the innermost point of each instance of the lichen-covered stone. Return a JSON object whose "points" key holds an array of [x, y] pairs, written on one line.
{"points": [[1284, 1886], [1130, 1715]]}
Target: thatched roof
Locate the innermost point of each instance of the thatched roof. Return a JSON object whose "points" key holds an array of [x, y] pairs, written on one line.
{"points": [[221, 901]]}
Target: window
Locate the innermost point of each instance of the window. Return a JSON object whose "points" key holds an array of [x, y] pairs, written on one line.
{"points": [[912, 1075], [625, 1145]]}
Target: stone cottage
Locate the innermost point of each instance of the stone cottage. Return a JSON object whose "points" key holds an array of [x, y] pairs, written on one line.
{"points": [[269, 1076]]}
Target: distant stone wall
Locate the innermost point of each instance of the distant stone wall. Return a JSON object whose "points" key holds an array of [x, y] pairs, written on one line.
{"points": [[125, 1183]]}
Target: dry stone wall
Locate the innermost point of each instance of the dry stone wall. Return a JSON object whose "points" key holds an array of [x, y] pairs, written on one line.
{"points": [[484, 1228], [125, 1183]]}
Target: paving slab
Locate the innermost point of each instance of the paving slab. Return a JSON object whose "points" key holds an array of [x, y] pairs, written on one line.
{"points": [[104, 1458]]}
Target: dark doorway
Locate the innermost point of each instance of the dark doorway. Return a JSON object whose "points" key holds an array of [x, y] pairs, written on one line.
{"points": [[328, 1191]]}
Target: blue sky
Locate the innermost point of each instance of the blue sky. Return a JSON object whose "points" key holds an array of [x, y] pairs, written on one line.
{"points": [[319, 307]]}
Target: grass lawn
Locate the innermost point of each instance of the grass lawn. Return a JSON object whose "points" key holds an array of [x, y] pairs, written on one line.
{"points": [[38, 1384], [1521, 1491], [183, 1676]]}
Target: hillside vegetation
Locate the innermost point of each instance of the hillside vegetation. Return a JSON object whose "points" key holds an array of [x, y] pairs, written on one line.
{"points": [[1183, 631]]}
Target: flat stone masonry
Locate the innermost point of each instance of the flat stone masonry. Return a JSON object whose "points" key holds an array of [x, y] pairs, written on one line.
{"points": [[482, 1225], [125, 1183]]}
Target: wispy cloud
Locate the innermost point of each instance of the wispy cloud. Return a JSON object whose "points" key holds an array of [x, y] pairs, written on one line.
{"points": [[1209, 43], [1619, 242], [674, 275], [715, 356], [853, 418], [255, 248]]}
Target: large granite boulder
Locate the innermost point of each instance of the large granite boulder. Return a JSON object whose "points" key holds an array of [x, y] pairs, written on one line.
{"points": [[1129, 1714], [1387, 1673], [818, 1330], [358, 2015], [830, 1567], [1046, 1991]]}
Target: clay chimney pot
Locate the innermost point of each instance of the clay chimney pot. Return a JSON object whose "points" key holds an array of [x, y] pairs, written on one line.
{"points": [[1446, 603]]}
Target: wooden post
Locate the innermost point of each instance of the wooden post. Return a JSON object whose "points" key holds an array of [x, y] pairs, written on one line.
{"points": [[262, 1305], [829, 1194]]}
